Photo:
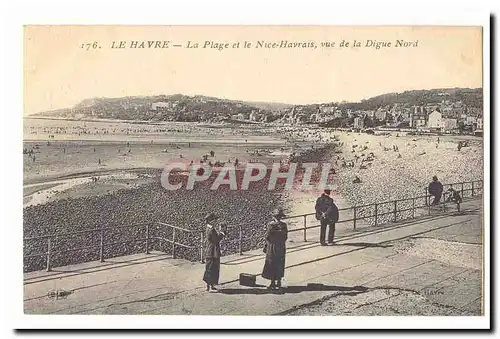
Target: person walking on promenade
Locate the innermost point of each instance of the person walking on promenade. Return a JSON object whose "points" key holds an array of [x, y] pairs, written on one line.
{"points": [[436, 190], [328, 214], [275, 248], [213, 252]]}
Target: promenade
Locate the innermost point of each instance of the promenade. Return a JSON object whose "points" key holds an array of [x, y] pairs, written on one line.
{"points": [[431, 265]]}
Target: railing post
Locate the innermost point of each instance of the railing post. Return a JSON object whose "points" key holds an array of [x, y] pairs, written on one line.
{"points": [[413, 208], [395, 210], [376, 214], [147, 238], [201, 247], [462, 191], [48, 255], [173, 243], [473, 188], [354, 217], [101, 247], [160, 239], [444, 202], [240, 240], [305, 228]]}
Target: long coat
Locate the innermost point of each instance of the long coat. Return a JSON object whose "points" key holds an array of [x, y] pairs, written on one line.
{"points": [[435, 188], [212, 256], [276, 236], [213, 243], [326, 209]]}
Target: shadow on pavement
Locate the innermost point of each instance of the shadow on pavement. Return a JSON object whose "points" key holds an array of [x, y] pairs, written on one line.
{"points": [[365, 244], [295, 289]]}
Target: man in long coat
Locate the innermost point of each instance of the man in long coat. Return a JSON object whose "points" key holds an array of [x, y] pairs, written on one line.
{"points": [[435, 189], [276, 236], [328, 214], [212, 253]]}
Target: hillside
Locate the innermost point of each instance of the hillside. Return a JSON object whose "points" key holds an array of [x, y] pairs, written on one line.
{"points": [[179, 107], [175, 107], [470, 97]]}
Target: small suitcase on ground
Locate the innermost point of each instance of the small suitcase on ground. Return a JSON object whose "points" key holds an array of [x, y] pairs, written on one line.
{"points": [[248, 279]]}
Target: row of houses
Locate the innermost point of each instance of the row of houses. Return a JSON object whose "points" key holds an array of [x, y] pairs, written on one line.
{"points": [[444, 116]]}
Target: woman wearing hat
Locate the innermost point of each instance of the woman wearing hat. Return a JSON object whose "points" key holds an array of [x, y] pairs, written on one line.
{"points": [[213, 253], [276, 236]]}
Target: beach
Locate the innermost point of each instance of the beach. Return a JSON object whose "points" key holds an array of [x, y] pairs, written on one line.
{"points": [[112, 179]]}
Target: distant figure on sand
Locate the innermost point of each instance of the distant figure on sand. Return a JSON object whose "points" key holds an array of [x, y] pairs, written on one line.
{"points": [[99, 161], [212, 253], [328, 214], [275, 248], [436, 190]]}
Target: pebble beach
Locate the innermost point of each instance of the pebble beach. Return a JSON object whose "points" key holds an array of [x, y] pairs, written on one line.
{"points": [[128, 190]]}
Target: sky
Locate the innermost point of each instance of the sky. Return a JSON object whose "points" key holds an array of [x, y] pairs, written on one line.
{"points": [[59, 73]]}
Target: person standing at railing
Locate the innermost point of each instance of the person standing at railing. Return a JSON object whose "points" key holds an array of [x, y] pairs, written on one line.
{"points": [[276, 237], [328, 214], [436, 190], [454, 197], [213, 252]]}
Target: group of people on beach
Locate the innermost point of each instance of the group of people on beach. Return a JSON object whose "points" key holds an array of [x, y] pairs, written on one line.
{"points": [[275, 236]]}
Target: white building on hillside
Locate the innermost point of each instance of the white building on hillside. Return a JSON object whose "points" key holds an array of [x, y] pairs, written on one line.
{"points": [[480, 123], [253, 116], [470, 120], [435, 120], [155, 106], [381, 114], [418, 117], [359, 122], [449, 124]]}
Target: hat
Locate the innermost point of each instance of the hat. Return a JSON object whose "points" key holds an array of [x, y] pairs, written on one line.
{"points": [[211, 217], [328, 191], [278, 212]]}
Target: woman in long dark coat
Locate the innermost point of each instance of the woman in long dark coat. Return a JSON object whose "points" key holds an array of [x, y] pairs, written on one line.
{"points": [[212, 253], [276, 236]]}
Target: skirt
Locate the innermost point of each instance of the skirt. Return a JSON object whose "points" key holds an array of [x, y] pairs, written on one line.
{"points": [[212, 270], [274, 268]]}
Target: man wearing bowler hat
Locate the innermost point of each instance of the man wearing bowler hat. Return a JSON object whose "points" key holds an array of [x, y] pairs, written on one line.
{"points": [[328, 214]]}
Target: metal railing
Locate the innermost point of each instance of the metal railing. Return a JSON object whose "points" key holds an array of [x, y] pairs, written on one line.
{"points": [[103, 242], [178, 234], [378, 210], [396, 209]]}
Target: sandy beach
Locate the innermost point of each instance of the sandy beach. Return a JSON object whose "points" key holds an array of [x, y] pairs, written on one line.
{"points": [[61, 194]]}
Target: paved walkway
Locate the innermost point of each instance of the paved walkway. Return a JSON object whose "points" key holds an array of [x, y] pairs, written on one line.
{"points": [[434, 261]]}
